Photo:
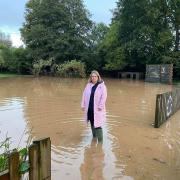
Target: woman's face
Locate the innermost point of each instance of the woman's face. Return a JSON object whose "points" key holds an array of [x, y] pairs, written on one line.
{"points": [[94, 78]]}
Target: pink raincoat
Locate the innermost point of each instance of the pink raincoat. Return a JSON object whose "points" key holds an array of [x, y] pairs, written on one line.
{"points": [[100, 96]]}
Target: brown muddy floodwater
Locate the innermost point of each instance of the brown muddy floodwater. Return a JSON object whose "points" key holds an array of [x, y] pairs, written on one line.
{"points": [[31, 108]]}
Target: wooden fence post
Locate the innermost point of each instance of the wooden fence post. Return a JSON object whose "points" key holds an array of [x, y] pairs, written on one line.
{"points": [[14, 166], [44, 159], [33, 161], [157, 111]]}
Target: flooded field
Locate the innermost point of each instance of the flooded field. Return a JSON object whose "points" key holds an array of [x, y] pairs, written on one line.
{"points": [[31, 108]]}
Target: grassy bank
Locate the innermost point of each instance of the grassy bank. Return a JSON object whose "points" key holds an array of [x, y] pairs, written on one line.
{"points": [[2, 75], [176, 82]]}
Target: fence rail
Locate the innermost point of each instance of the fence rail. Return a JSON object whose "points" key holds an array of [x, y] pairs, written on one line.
{"points": [[167, 104], [39, 155]]}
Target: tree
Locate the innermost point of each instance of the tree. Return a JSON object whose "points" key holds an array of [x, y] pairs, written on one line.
{"points": [[96, 36], [57, 29], [98, 33], [7, 57], [14, 59], [1, 57], [5, 39], [22, 63], [174, 15], [110, 51], [142, 35]]}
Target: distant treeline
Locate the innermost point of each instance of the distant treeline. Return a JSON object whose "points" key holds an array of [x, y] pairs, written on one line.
{"points": [[61, 39]]}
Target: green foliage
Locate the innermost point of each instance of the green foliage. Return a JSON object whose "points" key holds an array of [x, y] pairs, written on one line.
{"points": [[4, 147], [5, 39], [57, 29], [2, 62], [3, 162], [40, 66], [91, 55], [22, 63], [110, 52], [141, 32], [71, 68], [23, 153], [15, 59], [7, 57], [115, 63], [98, 33], [174, 16], [174, 58], [24, 165]]}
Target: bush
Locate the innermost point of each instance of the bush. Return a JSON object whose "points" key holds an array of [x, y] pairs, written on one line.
{"points": [[71, 68], [41, 66]]}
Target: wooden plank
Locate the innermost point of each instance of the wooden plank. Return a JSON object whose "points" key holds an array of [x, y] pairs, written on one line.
{"points": [[33, 161], [157, 111], [44, 146], [14, 166], [4, 175]]}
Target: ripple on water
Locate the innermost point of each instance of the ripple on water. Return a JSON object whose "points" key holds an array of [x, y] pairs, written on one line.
{"points": [[12, 123]]}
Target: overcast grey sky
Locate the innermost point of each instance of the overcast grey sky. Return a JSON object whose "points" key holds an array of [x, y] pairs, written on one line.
{"points": [[12, 14]]}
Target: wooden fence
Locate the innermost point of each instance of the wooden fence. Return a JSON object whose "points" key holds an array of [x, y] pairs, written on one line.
{"points": [[39, 154], [166, 105]]}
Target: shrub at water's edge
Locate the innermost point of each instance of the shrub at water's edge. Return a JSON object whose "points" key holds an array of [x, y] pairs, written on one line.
{"points": [[73, 68]]}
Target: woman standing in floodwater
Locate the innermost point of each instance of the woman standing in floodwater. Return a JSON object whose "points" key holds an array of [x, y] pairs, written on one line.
{"points": [[93, 104]]}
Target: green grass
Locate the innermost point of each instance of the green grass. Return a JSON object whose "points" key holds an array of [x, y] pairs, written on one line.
{"points": [[2, 75], [176, 82]]}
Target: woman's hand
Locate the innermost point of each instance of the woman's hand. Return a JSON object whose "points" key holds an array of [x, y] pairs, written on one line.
{"points": [[83, 109], [99, 109]]}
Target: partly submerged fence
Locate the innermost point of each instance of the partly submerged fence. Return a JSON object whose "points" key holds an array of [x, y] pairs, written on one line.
{"points": [[39, 160], [131, 75], [166, 105], [161, 73]]}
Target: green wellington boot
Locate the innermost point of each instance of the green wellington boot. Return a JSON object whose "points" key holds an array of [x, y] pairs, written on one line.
{"points": [[93, 132], [99, 134]]}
